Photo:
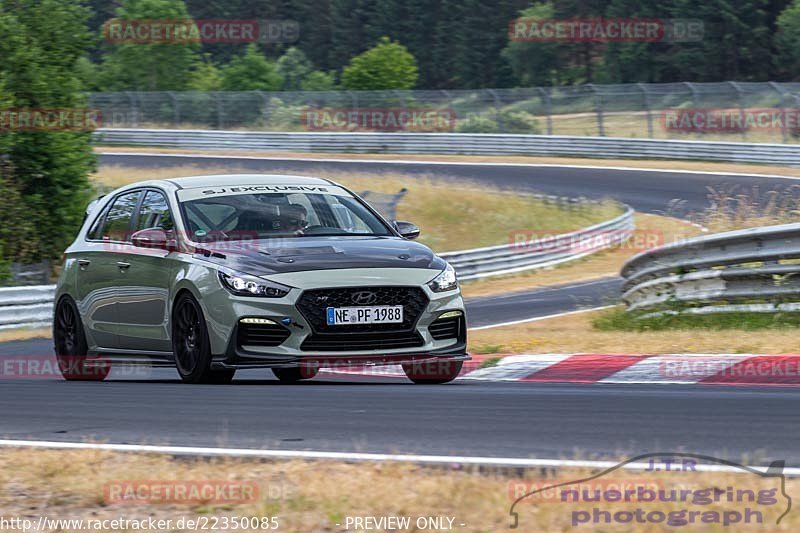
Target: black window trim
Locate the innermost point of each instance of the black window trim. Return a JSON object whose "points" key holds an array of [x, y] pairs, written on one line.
{"points": [[134, 216]]}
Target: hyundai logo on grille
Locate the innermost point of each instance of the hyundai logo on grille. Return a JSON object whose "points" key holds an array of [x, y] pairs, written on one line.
{"points": [[364, 298]]}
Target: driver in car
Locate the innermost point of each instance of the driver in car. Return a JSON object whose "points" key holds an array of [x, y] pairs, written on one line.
{"points": [[296, 218]]}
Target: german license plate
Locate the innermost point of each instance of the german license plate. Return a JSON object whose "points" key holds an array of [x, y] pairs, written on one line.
{"points": [[376, 314]]}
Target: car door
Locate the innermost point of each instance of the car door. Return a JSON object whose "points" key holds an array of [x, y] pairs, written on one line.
{"points": [[98, 271], [145, 274]]}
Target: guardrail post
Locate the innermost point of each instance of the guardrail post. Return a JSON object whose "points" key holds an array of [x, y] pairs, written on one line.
{"points": [[354, 98], [547, 108], [642, 87], [266, 112], [740, 101], [498, 117], [693, 91], [134, 112], [220, 111], [598, 105], [784, 112], [176, 108]]}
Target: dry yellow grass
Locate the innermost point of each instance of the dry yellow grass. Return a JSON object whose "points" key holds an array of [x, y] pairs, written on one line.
{"points": [[452, 215], [25, 334], [316, 496], [577, 161], [649, 229], [575, 334]]}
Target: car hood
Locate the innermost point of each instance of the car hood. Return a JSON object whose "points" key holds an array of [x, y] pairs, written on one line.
{"points": [[278, 256]]}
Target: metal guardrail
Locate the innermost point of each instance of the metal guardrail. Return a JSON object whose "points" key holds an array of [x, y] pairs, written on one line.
{"points": [[541, 253], [26, 307], [32, 306], [746, 270], [454, 144]]}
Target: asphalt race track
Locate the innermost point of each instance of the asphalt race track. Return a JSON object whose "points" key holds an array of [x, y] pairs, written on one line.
{"points": [[646, 191], [390, 415], [357, 415]]}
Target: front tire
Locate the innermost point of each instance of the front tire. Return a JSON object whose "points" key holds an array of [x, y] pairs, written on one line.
{"points": [[433, 373], [191, 345], [69, 340]]}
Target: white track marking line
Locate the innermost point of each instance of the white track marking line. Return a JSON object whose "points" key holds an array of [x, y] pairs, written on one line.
{"points": [[444, 163], [359, 457], [536, 319], [516, 369]]}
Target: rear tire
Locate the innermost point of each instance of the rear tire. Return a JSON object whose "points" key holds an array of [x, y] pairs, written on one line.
{"points": [[191, 345], [69, 340], [433, 373], [294, 374]]}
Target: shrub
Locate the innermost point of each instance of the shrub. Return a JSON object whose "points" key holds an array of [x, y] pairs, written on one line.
{"points": [[477, 124]]}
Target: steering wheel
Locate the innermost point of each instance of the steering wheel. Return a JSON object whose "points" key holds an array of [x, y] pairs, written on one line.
{"points": [[319, 228]]}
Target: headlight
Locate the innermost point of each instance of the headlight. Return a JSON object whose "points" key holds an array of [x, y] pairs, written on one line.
{"points": [[244, 285], [445, 281]]}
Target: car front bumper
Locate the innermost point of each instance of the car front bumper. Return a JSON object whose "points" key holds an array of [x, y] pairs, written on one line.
{"points": [[225, 311]]}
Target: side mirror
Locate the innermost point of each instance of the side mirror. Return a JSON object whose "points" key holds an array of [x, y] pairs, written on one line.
{"points": [[151, 238], [407, 229]]}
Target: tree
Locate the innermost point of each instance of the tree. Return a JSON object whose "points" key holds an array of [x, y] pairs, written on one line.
{"points": [[388, 65], [205, 77], [787, 41], [294, 67], [319, 81], [41, 41], [87, 73], [251, 72], [149, 66], [536, 63]]}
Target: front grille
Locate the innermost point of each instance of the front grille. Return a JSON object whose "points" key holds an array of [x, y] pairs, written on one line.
{"points": [[447, 328], [261, 335], [344, 342], [313, 304]]}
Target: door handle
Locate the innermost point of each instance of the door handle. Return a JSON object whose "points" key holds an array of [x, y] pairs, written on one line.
{"points": [[123, 266], [83, 263]]}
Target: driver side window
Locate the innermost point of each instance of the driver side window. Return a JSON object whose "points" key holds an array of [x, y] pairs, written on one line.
{"points": [[154, 213]]}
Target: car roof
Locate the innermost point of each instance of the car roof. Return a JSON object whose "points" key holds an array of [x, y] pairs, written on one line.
{"points": [[222, 180]]}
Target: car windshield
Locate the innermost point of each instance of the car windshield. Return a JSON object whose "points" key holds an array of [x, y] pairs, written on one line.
{"points": [[232, 215]]}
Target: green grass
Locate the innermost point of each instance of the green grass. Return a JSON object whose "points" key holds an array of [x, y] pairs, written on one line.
{"points": [[492, 361], [619, 320], [487, 348]]}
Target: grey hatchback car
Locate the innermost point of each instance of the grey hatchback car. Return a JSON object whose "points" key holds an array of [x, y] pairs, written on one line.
{"points": [[218, 273]]}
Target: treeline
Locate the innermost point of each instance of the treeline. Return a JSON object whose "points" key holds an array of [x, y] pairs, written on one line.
{"points": [[53, 51], [44, 186], [460, 44]]}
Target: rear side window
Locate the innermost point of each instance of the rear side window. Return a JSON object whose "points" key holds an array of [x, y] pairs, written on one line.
{"points": [[154, 213], [116, 226]]}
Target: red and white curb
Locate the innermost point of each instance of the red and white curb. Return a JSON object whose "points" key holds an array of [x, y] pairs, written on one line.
{"points": [[711, 369]]}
